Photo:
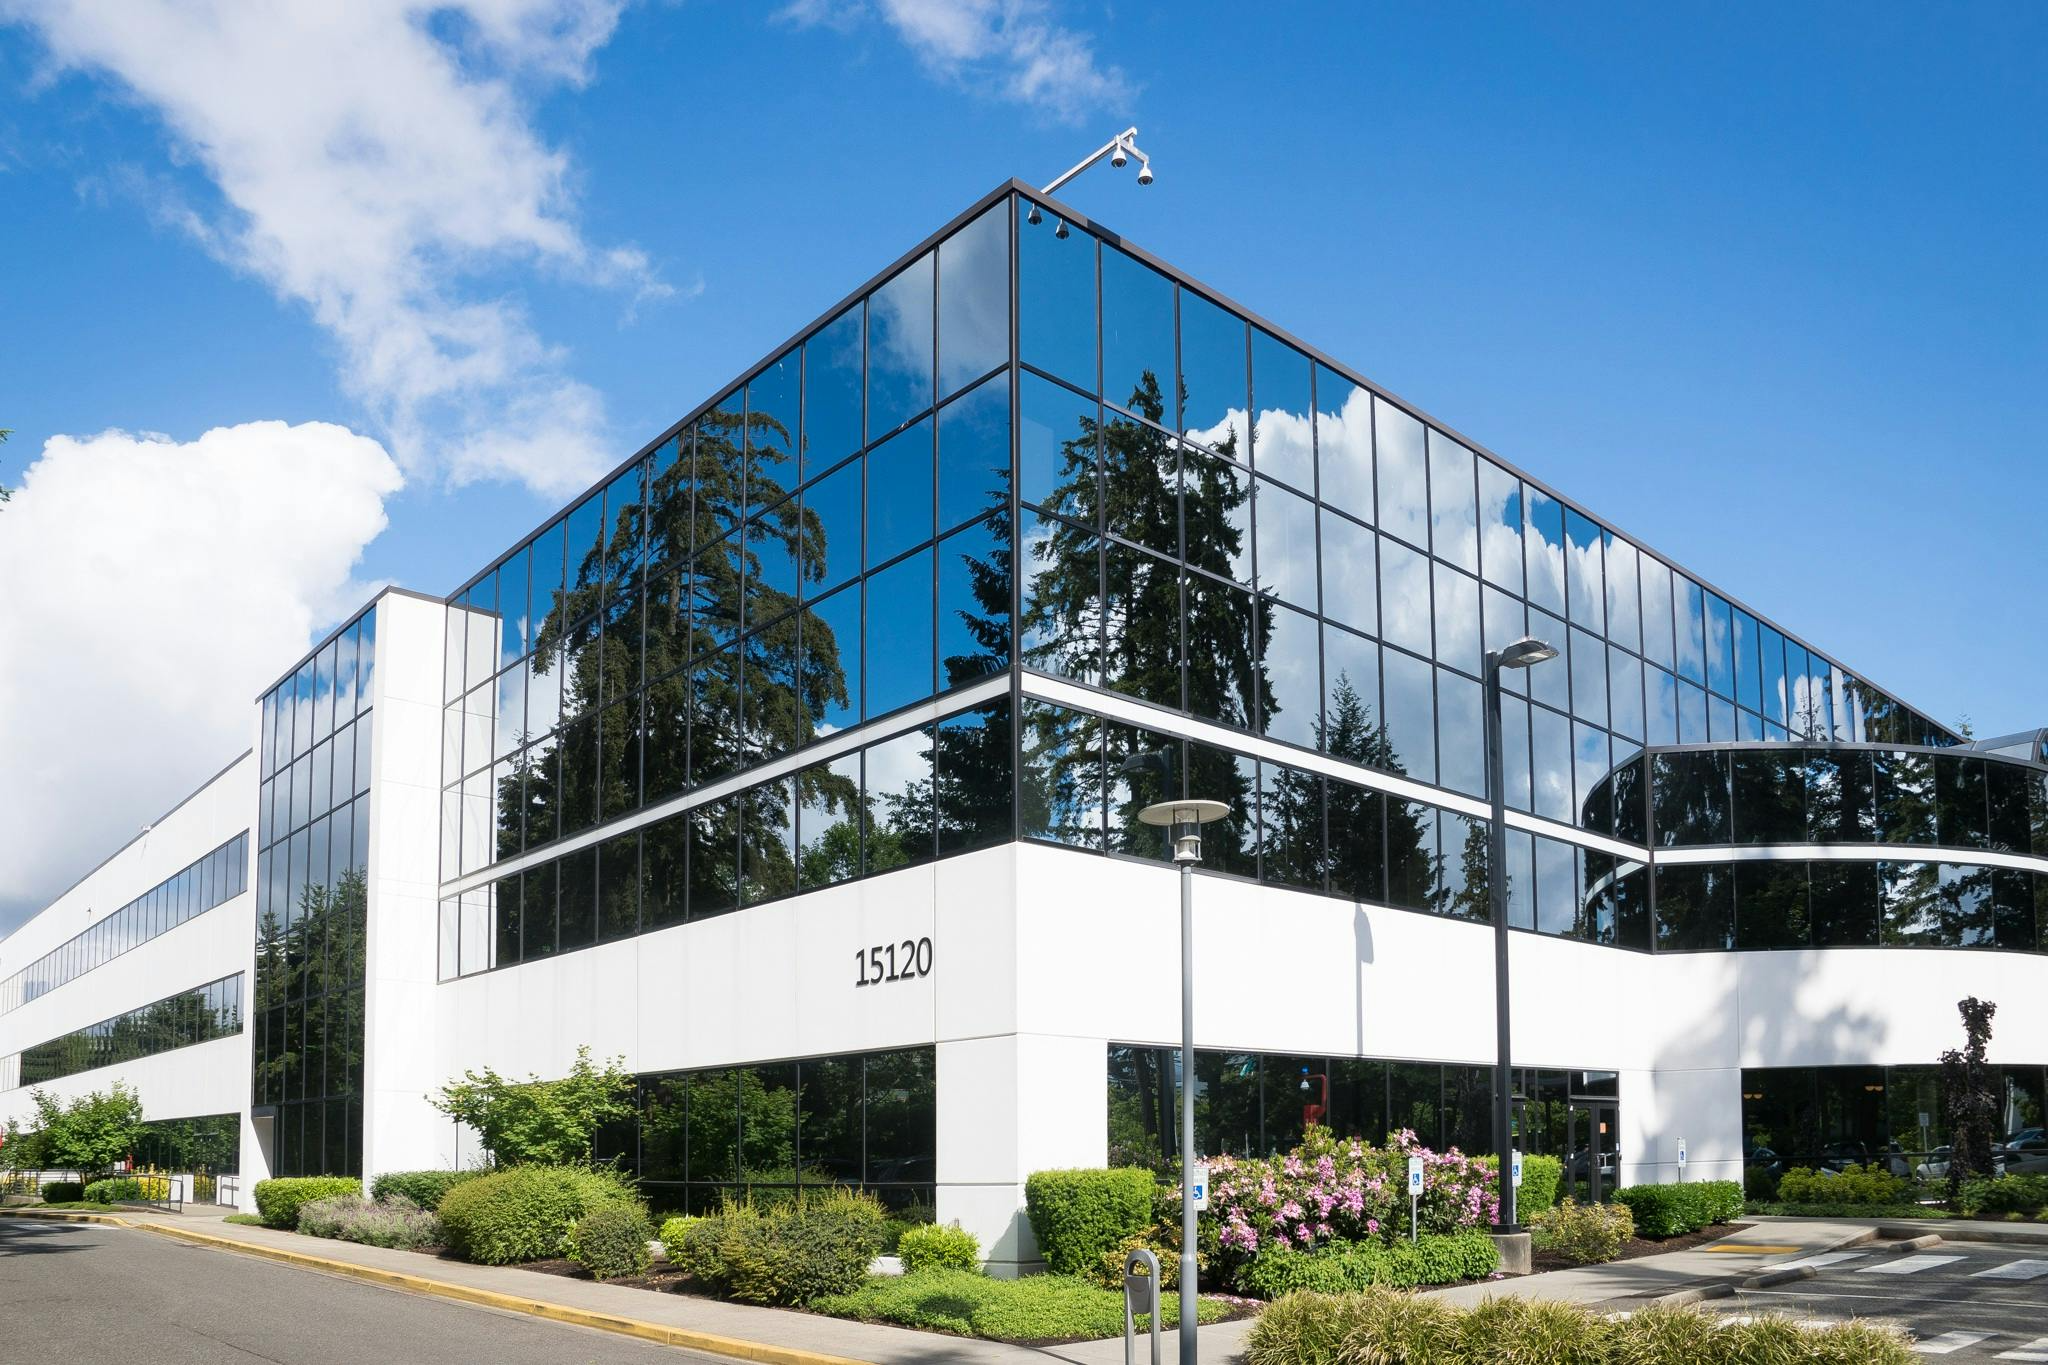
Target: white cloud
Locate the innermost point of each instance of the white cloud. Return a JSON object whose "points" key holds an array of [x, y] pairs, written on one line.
{"points": [[1010, 48], [373, 158], [153, 588]]}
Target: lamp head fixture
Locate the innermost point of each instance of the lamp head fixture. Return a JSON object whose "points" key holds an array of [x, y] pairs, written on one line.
{"points": [[1527, 652]]}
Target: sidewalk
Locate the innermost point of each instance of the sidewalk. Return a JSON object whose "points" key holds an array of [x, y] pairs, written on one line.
{"points": [[773, 1335]]}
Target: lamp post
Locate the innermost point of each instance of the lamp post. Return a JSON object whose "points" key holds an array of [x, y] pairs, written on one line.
{"points": [[1185, 820], [1526, 652]]}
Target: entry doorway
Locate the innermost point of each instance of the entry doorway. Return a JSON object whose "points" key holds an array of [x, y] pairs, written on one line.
{"points": [[1592, 1150]]}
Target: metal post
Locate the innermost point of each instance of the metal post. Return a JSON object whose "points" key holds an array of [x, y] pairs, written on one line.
{"points": [[1497, 895], [1187, 1113]]}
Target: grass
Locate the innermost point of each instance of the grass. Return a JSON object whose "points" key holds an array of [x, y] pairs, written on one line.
{"points": [[246, 1220], [1036, 1309]]}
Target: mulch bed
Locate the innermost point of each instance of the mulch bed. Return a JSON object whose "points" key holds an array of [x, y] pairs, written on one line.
{"points": [[1642, 1246], [660, 1277]]}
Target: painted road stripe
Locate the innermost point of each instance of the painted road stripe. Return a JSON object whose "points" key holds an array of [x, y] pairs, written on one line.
{"points": [[1910, 1265], [2014, 1270], [2037, 1349], [1825, 1258], [1950, 1341]]}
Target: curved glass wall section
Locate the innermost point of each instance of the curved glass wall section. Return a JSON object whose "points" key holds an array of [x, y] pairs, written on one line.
{"points": [[1829, 1117], [213, 880], [313, 815], [199, 1015]]}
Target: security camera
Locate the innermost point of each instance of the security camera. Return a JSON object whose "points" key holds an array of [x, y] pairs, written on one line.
{"points": [[1119, 158], [1145, 174], [1061, 231], [1034, 217]]}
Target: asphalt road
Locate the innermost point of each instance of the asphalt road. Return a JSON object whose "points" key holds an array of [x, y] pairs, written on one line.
{"points": [[1965, 1301], [83, 1295]]}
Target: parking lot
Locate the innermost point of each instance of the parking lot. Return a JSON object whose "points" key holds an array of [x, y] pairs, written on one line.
{"points": [[1964, 1301]]}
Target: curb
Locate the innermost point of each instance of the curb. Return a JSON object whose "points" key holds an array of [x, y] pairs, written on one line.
{"points": [[1770, 1277], [1920, 1243], [733, 1347], [2019, 1234], [1697, 1294]]}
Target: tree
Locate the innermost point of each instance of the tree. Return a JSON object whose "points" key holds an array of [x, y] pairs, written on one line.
{"points": [[89, 1135], [540, 1121], [1969, 1098]]}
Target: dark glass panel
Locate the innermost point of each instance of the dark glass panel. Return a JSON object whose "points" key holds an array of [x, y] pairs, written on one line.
{"points": [[1771, 905], [1061, 630], [1141, 619], [829, 1136], [2012, 909], [1906, 798], [618, 900], [1769, 791], [974, 300], [1844, 904], [1689, 800], [537, 912], [898, 626], [828, 834], [1413, 1100], [1462, 855], [1412, 879], [1137, 337], [1140, 485], [1840, 804], [619, 737], [1291, 819], [2006, 787], [1136, 779], [902, 1116], [1344, 444], [578, 899], [1056, 449], [974, 769], [1403, 473], [1055, 299], [1695, 908], [1215, 377], [715, 1100], [1227, 1110], [767, 841], [576, 794], [1960, 802], [1631, 812], [898, 800], [1557, 888], [1230, 844], [1351, 699], [1914, 912], [974, 601], [1224, 629], [1061, 783], [832, 392], [974, 454], [714, 869], [666, 719], [900, 349], [664, 873], [1631, 897], [900, 475], [1283, 432]]}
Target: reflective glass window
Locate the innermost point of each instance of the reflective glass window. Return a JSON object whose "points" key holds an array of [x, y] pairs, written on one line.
{"points": [[1293, 674], [1410, 714], [1843, 904], [1215, 400], [1060, 586], [830, 673], [1689, 603], [767, 821], [1221, 630], [1771, 905], [1286, 527], [1721, 720], [1506, 621], [1404, 597], [1720, 647], [1216, 515], [2006, 787], [1351, 696], [1592, 801], [1399, 453], [1658, 641], [1056, 444], [1457, 620], [1543, 545], [1589, 677], [1585, 571], [1692, 714], [1055, 298], [1461, 734], [1283, 433], [1961, 803], [832, 529], [1141, 485], [898, 801], [974, 300], [899, 634], [1514, 737], [1137, 338], [1344, 444], [1500, 526], [1550, 759], [1625, 694], [1453, 513], [1142, 623], [900, 486], [1351, 570], [774, 542], [974, 454], [1061, 782], [972, 779], [774, 401], [1412, 880], [714, 858], [1905, 798], [1769, 796], [832, 392], [1774, 690], [828, 827], [900, 349], [1840, 804], [1557, 888], [1695, 908], [1747, 654], [1690, 801], [1624, 618], [974, 601]]}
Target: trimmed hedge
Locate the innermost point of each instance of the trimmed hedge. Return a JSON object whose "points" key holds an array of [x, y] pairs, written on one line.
{"points": [[1584, 1234], [1325, 1329], [116, 1190], [932, 1247], [1541, 1176], [62, 1191], [1851, 1185], [786, 1255], [1033, 1308], [524, 1213], [1342, 1267], [1674, 1210], [1077, 1215], [424, 1188], [611, 1241], [278, 1201], [2007, 1196]]}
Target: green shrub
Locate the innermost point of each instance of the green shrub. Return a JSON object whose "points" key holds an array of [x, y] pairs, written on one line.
{"points": [[396, 1223], [524, 1213], [1541, 1175], [611, 1240], [1380, 1326], [62, 1191], [2006, 1196], [1853, 1185], [1036, 1308], [423, 1188], [279, 1201], [1759, 1184], [1342, 1267], [789, 1254], [1077, 1215], [931, 1247], [118, 1190], [1584, 1234], [1674, 1210]]}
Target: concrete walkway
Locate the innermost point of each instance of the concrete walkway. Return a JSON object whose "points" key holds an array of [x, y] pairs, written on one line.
{"points": [[741, 1331]]}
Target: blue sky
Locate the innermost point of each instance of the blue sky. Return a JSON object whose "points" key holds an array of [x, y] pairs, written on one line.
{"points": [[1762, 285]]}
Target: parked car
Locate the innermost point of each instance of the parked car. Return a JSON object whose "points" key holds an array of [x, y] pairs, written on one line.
{"points": [[2024, 1153], [1935, 1167]]}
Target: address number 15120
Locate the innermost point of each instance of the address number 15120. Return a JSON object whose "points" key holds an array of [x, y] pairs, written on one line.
{"points": [[905, 961]]}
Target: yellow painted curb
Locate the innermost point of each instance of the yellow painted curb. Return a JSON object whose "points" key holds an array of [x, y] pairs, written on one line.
{"points": [[734, 1347]]}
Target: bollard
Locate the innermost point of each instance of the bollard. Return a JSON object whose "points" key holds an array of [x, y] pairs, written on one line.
{"points": [[1148, 1281]]}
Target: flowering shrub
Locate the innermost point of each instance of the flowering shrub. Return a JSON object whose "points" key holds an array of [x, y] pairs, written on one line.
{"points": [[1333, 1189]]}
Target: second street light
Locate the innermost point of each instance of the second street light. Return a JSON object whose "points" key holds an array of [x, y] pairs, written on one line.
{"points": [[1184, 820], [1526, 652]]}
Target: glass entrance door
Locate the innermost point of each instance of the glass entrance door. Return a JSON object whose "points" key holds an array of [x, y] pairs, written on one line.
{"points": [[1593, 1159]]}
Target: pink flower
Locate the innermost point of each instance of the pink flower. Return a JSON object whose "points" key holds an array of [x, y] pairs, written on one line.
{"points": [[1372, 1225]]}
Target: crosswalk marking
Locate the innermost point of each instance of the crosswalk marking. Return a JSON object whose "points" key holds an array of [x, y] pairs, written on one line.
{"points": [[2014, 1270], [1908, 1265], [1950, 1341], [1823, 1259], [2037, 1350]]}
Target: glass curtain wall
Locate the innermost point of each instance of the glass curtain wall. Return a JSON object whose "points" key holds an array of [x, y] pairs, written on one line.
{"points": [[1828, 1117], [199, 1015], [306, 1014]]}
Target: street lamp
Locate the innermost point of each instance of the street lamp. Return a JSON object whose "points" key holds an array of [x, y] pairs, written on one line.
{"points": [[1184, 820], [1526, 652]]}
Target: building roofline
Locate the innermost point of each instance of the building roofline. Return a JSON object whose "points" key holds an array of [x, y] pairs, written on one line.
{"points": [[388, 590]]}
